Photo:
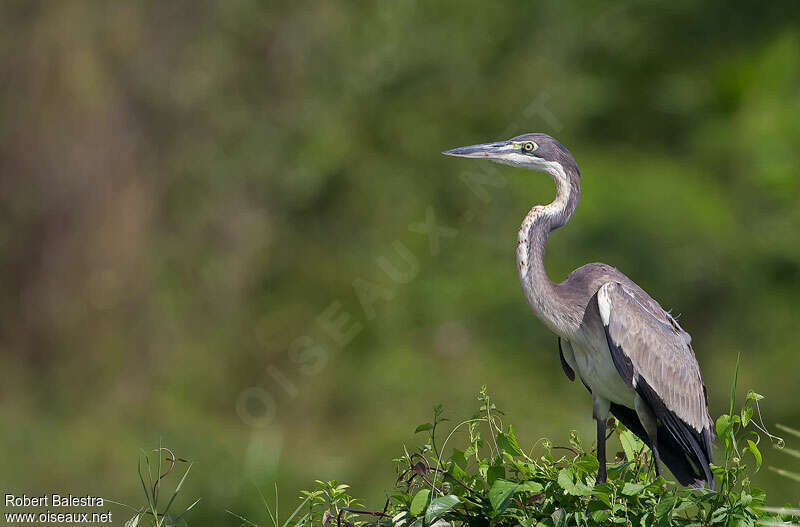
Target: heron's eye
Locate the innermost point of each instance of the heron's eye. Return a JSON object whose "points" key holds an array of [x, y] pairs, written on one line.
{"points": [[529, 146]]}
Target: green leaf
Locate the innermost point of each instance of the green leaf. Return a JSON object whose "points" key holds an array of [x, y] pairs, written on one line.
{"points": [[686, 506], [559, 518], [400, 519], [603, 493], [581, 489], [423, 427], [720, 515], [597, 505], [587, 463], [747, 414], [456, 472], [753, 396], [739, 520], [629, 444], [722, 426], [494, 473], [664, 507], [716, 469], [440, 506], [531, 486], [632, 489], [657, 484], [508, 443], [459, 467], [501, 493], [756, 453], [746, 499], [575, 440], [566, 481], [459, 459], [419, 502]]}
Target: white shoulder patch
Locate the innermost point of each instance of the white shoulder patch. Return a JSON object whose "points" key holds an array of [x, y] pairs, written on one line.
{"points": [[604, 302]]}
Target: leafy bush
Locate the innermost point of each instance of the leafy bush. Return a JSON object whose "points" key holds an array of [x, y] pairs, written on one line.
{"points": [[489, 479]]}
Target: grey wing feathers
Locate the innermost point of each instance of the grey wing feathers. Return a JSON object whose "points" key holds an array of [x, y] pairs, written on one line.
{"points": [[657, 350], [654, 356]]}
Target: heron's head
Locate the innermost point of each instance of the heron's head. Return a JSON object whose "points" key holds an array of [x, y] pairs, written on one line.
{"points": [[534, 151]]}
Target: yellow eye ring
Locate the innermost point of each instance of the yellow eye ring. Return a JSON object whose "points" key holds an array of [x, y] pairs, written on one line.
{"points": [[529, 146]]}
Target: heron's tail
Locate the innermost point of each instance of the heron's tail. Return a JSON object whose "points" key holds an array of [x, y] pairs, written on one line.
{"points": [[690, 466]]}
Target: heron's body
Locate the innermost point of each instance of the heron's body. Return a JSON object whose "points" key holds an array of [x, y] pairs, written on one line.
{"points": [[585, 349], [630, 353]]}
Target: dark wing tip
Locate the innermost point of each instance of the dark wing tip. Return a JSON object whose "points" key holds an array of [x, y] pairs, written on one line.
{"points": [[690, 450]]}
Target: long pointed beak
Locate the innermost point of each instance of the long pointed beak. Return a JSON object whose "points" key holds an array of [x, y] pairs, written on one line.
{"points": [[484, 151]]}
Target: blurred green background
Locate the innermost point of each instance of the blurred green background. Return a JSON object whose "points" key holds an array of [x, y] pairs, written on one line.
{"points": [[190, 190]]}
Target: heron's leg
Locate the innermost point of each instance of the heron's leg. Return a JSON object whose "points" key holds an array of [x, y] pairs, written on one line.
{"points": [[600, 408], [601, 451], [650, 425]]}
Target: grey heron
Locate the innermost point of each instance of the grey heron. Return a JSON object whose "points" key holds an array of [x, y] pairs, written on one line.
{"points": [[632, 355]]}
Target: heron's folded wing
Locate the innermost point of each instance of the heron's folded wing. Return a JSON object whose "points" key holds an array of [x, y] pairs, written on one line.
{"points": [[654, 356], [644, 348]]}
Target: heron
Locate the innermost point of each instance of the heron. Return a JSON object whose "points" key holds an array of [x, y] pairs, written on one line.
{"points": [[631, 354]]}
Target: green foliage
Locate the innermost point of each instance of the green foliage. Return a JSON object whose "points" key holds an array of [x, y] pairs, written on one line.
{"points": [[151, 477], [740, 436], [489, 479], [330, 496]]}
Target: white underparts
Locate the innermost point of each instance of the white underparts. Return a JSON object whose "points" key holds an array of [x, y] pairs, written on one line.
{"points": [[600, 407]]}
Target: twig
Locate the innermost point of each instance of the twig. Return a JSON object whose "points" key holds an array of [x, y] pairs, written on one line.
{"points": [[565, 448], [171, 460]]}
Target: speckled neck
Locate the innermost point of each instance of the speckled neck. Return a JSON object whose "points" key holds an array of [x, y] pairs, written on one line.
{"points": [[542, 294]]}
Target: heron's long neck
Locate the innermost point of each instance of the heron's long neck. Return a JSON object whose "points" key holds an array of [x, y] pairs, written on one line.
{"points": [[547, 300]]}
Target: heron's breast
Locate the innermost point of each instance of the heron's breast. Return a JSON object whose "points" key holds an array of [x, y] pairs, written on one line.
{"points": [[596, 367]]}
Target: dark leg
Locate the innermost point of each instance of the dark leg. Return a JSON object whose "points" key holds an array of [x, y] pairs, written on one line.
{"points": [[601, 451]]}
